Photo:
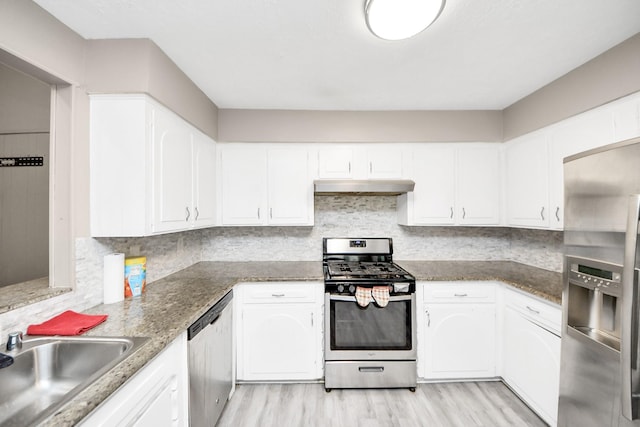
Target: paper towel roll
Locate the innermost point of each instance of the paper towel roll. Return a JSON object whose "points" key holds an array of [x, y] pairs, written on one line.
{"points": [[113, 278]]}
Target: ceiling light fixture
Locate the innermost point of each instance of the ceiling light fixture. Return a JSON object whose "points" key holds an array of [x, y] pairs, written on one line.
{"points": [[400, 19]]}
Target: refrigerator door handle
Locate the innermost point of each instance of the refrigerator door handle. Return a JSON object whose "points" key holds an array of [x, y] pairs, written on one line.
{"points": [[629, 343]]}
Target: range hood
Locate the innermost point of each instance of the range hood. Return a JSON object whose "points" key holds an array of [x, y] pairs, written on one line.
{"points": [[364, 187]]}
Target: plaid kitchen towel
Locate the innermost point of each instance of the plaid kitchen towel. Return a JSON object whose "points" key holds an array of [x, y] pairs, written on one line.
{"points": [[381, 295], [363, 296]]}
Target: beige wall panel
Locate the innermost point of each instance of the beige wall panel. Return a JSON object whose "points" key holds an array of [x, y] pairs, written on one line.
{"points": [[24, 102], [610, 76], [140, 66], [359, 126], [36, 37]]}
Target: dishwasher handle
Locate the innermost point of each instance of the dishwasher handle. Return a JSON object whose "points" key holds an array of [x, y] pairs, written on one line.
{"points": [[210, 316]]}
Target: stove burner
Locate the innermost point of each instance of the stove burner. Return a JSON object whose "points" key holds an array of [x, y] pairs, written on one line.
{"points": [[373, 270]]}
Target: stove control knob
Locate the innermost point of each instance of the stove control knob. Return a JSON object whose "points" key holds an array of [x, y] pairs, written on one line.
{"points": [[352, 289], [341, 288]]}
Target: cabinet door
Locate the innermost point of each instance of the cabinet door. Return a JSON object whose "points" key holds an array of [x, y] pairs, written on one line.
{"points": [[279, 342], [528, 182], [244, 185], [478, 195], [384, 162], [158, 395], [335, 163], [434, 195], [532, 364], [290, 187], [589, 130], [459, 341], [172, 170], [204, 180], [626, 118]]}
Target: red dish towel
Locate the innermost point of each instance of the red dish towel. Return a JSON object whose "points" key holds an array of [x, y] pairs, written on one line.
{"points": [[381, 295], [67, 323]]}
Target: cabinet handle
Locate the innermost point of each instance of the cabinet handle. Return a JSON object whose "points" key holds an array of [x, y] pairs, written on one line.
{"points": [[557, 212], [464, 213], [533, 310], [428, 318], [271, 213], [460, 295], [451, 216], [197, 213], [349, 167], [277, 295], [258, 213], [188, 214], [370, 167], [311, 319], [542, 213]]}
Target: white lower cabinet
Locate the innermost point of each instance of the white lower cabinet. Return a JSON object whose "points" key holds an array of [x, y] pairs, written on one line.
{"points": [[279, 333], [158, 395], [458, 331], [531, 353]]}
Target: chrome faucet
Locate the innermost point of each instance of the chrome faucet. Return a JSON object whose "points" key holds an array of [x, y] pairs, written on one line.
{"points": [[14, 342]]}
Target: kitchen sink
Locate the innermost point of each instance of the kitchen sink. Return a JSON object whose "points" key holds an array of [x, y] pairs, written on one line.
{"points": [[49, 371]]}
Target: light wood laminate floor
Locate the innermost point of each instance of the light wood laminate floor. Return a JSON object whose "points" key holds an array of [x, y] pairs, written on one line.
{"points": [[489, 404]]}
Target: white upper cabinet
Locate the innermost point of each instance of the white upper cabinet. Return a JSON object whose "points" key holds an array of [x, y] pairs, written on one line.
{"points": [[455, 184], [243, 172], [146, 169], [573, 136], [478, 192], [384, 162], [626, 118], [361, 161], [265, 185], [527, 174], [335, 162], [204, 175]]}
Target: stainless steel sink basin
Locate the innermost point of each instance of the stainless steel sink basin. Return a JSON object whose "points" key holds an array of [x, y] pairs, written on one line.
{"points": [[48, 371]]}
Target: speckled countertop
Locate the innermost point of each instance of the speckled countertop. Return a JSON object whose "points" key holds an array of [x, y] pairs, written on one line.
{"points": [[171, 304]]}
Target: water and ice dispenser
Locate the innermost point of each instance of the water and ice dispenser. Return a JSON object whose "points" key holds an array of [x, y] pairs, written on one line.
{"points": [[594, 300]]}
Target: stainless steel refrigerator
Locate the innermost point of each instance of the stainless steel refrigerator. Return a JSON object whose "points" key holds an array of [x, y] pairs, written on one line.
{"points": [[600, 367]]}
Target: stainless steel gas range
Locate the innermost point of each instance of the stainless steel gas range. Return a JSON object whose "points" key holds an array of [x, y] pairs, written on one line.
{"points": [[370, 321]]}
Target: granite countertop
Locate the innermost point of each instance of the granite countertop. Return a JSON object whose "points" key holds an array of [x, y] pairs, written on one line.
{"points": [[170, 305]]}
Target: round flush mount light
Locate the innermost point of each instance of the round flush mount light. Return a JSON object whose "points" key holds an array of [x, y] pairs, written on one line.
{"points": [[400, 19]]}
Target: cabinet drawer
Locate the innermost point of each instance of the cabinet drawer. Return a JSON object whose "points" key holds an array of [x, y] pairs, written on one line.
{"points": [[468, 292], [269, 293], [545, 314]]}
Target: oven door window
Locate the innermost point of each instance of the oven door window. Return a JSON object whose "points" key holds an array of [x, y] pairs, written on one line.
{"points": [[372, 327]]}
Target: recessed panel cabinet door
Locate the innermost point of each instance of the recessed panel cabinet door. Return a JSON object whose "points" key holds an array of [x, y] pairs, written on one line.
{"points": [[528, 182], [172, 163], [290, 189], [434, 195], [279, 342], [459, 341], [244, 187], [204, 181], [478, 200], [532, 363]]}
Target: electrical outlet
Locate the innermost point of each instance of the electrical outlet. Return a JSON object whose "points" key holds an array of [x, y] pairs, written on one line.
{"points": [[134, 250]]}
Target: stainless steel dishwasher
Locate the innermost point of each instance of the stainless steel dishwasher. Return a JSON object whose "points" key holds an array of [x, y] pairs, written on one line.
{"points": [[210, 353]]}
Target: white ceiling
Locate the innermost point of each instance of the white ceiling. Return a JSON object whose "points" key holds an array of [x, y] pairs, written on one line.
{"points": [[319, 55]]}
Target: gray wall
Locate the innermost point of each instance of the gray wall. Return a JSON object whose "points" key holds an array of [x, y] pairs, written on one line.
{"points": [[612, 75], [24, 191], [358, 126], [140, 66]]}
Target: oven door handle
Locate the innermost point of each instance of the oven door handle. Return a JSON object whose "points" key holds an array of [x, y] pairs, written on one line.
{"points": [[350, 298]]}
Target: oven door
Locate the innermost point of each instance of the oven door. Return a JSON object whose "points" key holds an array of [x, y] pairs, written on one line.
{"points": [[370, 333]]}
